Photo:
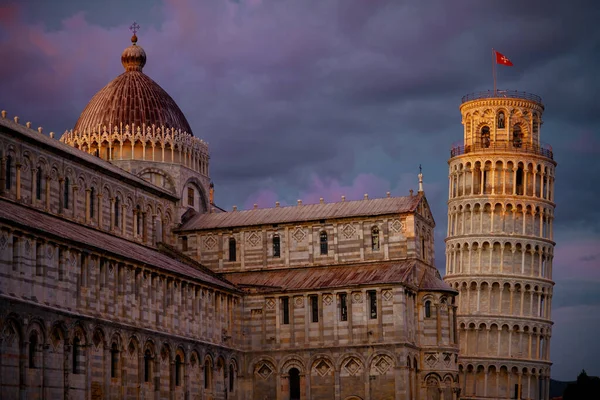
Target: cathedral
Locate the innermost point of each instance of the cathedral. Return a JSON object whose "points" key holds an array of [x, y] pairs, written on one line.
{"points": [[122, 279]]}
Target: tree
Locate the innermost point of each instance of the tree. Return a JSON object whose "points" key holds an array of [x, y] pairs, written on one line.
{"points": [[586, 388]]}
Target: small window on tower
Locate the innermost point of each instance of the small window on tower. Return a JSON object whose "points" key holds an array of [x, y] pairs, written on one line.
{"points": [[519, 181], [501, 118], [191, 197], [517, 136], [485, 136]]}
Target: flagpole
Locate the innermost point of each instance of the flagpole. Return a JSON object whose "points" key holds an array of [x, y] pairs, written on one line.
{"points": [[494, 69]]}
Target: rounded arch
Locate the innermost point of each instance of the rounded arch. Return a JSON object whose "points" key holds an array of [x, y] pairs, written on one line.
{"points": [[292, 361], [159, 178], [196, 184]]}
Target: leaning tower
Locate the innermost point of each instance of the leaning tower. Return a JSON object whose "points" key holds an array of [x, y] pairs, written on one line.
{"points": [[499, 246]]}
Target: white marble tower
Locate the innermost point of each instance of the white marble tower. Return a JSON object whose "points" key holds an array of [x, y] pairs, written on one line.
{"points": [[499, 246]]}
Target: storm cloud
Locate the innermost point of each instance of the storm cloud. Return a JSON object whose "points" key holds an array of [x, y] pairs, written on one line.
{"points": [[309, 99]]}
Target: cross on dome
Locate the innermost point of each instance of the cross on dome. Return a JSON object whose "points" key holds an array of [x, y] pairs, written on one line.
{"points": [[134, 27]]}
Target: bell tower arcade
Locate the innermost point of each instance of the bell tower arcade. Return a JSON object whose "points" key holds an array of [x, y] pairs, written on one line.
{"points": [[499, 246]]}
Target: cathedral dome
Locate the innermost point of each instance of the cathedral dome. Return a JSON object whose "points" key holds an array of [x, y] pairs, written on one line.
{"points": [[132, 98]]}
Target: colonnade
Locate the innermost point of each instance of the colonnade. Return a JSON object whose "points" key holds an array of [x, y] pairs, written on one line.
{"points": [[501, 177], [474, 217], [149, 143]]}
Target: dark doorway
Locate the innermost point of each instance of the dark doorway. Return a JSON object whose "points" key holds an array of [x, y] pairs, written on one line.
{"points": [[294, 384]]}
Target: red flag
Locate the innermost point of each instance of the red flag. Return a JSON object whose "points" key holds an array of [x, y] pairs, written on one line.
{"points": [[502, 59]]}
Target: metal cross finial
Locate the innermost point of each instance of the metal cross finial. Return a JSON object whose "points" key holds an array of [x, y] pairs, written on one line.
{"points": [[134, 27], [420, 169]]}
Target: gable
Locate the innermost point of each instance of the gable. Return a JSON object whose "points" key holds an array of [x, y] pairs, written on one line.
{"points": [[424, 210]]}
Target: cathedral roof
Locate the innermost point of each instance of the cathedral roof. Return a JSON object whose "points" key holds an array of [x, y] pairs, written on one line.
{"points": [[105, 243], [101, 166], [132, 98], [307, 212], [330, 276], [410, 272]]}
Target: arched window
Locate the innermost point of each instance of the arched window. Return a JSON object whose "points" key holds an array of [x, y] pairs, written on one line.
{"points": [[117, 211], [323, 242], [207, 375], [33, 344], [139, 219], [232, 249], [517, 137], [423, 253], [178, 368], [92, 195], [8, 172], [66, 193], [114, 360], [428, 309], [519, 181], [501, 119], [76, 350], [294, 384], [375, 238], [38, 182], [147, 365], [190, 197], [231, 378], [485, 136], [276, 246]]}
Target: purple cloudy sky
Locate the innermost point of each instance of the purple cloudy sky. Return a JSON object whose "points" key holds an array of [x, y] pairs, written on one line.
{"points": [[319, 98]]}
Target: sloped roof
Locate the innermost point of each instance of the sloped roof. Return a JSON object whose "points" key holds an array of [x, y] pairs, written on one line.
{"points": [[62, 229], [302, 213], [339, 276], [431, 280], [89, 160]]}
